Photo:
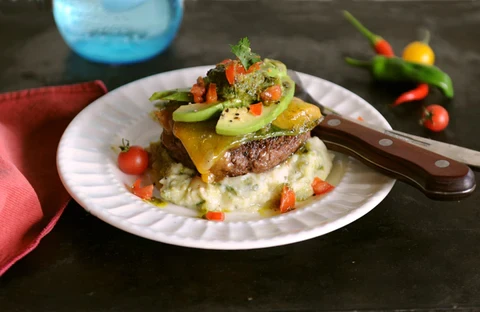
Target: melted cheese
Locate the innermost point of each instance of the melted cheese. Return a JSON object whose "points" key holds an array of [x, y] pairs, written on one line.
{"points": [[205, 146]]}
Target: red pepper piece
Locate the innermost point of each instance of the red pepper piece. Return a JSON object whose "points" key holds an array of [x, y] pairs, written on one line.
{"points": [[256, 109], [273, 93], [215, 216], [287, 199], [321, 187], [212, 93], [145, 192], [225, 61], [198, 90], [419, 93], [233, 69], [380, 45], [254, 67]]}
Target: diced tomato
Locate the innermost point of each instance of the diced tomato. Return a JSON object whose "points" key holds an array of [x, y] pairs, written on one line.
{"points": [[287, 199], [145, 192], [232, 70], [225, 61], [212, 93], [239, 69], [230, 73], [256, 109], [321, 187], [198, 99], [254, 67], [200, 81], [197, 92], [273, 93], [215, 216]]}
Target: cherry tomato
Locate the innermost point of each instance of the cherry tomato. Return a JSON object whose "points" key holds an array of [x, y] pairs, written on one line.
{"points": [[435, 118], [419, 51], [132, 159]]}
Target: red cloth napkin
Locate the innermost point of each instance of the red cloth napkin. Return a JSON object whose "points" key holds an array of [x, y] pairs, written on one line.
{"points": [[32, 197]]}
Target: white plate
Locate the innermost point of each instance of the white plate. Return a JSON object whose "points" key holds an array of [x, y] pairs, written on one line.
{"points": [[87, 167]]}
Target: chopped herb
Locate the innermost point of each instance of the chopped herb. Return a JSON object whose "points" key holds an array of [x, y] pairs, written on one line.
{"points": [[114, 148], [231, 190], [200, 203], [302, 150], [156, 201], [244, 53]]}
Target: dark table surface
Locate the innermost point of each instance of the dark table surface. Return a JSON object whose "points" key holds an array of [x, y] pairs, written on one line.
{"points": [[407, 253]]}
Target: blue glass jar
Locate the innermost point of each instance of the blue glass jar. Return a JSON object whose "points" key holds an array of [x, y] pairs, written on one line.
{"points": [[118, 31]]}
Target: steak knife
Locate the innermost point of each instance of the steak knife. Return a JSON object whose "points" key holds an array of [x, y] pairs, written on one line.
{"points": [[437, 176]]}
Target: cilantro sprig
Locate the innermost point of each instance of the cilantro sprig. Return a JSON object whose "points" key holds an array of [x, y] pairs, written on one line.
{"points": [[244, 53]]}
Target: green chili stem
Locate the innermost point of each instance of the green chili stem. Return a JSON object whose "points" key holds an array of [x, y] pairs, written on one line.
{"points": [[359, 26], [358, 63]]}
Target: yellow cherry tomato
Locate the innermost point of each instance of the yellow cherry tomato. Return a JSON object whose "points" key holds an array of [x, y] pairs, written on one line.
{"points": [[419, 51]]}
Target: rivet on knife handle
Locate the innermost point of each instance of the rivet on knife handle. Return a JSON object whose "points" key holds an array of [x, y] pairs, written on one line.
{"points": [[438, 177]]}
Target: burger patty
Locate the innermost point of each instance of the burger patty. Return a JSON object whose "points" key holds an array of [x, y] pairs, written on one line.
{"points": [[254, 156]]}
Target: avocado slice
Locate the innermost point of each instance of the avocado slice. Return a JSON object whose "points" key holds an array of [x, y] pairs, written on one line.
{"points": [[196, 112], [239, 121], [201, 111], [180, 95]]}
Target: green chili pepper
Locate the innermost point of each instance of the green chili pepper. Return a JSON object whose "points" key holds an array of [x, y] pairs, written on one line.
{"points": [[397, 69]]}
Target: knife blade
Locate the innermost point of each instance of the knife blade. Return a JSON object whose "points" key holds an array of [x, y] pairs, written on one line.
{"points": [[462, 154], [437, 176]]}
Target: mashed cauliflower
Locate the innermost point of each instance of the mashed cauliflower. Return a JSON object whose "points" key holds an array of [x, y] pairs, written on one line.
{"points": [[251, 192]]}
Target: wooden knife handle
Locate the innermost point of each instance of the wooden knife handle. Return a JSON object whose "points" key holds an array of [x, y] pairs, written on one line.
{"points": [[437, 176]]}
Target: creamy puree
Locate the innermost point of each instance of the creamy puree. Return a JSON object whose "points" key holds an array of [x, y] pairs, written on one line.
{"points": [[248, 193]]}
